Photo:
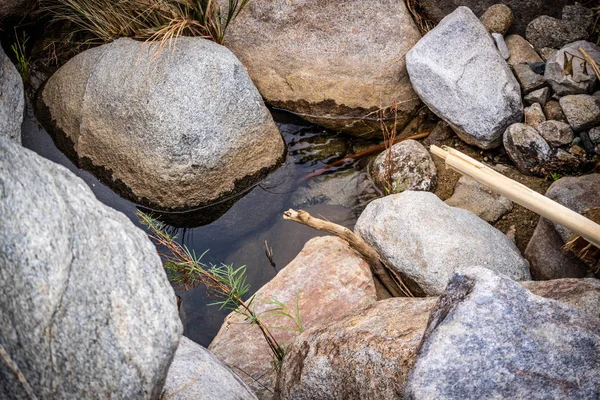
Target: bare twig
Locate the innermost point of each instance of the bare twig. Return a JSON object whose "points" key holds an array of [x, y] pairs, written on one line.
{"points": [[390, 280]]}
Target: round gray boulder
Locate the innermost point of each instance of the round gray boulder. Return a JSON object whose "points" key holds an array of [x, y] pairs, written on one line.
{"points": [[170, 129], [334, 63], [86, 309], [425, 241]]}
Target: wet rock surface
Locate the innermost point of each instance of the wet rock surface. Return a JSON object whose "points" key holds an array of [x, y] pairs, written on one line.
{"points": [[458, 73], [86, 306], [424, 240], [490, 337]]}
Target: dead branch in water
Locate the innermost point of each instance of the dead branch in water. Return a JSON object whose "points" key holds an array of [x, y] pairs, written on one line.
{"points": [[388, 277]]}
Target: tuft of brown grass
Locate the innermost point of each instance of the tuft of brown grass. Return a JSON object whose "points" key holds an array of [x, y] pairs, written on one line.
{"points": [[423, 23], [103, 21]]}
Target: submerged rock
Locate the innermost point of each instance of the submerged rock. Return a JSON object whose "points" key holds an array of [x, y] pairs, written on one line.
{"points": [[369, 354], [491, 338], [12, 99], [196, 373], [326, 281], [567, 73], [333, 63], [527, 149], [170, 129], [339, 188], [425, 241], [86, 307], [411, 168], [457, 71], [472, 196]]}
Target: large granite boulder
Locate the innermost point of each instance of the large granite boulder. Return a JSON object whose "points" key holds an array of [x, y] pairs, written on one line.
{"points": [[333, 63], [196, 373], [523, 10], [567, 73], [369, 354], [86, 309], [170, 129], [326, 282], [12, 99], [458, 72], [425, 241], [491, 338]]}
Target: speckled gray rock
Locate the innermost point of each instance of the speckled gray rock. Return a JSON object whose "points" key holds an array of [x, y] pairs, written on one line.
{"points": [[172, 129], [534, 115], [12, 100], [581, 79], [581, 110], [552, 111], [540, 96], [521, 51], [528, 79], [545, 31], [546, 258], [491, 338], [472, 196], [556, 133], [501, 45], [424, 240], [526, 148], [369, 354], [196, 373], [335, 63], [497, 18], [579, 15], [412, 168], [577, 193], [86, 309], [457, 71]]}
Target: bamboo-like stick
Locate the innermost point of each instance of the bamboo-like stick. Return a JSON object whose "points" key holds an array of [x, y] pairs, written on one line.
{"points": [[388, 277], [520, 194]]}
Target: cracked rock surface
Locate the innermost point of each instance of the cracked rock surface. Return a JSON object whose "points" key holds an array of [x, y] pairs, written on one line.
{"points": [[86, 309]]}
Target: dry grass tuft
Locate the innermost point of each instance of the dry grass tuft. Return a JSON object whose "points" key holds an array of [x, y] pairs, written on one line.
{"points": [[102, 21], [423, 23]]}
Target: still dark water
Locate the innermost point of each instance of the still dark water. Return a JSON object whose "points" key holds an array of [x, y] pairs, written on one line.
{"points": [[238, 236]]}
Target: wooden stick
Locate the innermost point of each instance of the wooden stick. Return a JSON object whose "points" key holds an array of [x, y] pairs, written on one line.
{"points": [[395, 286], [520, 194]]}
